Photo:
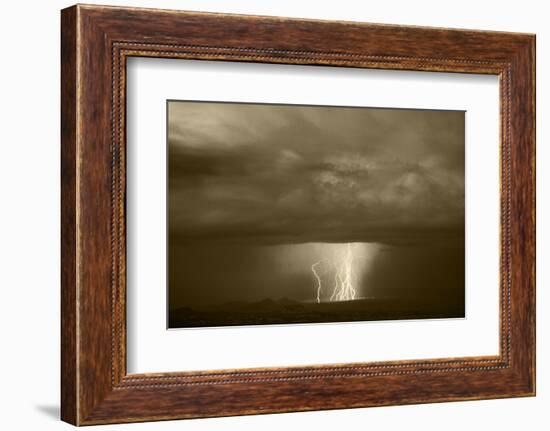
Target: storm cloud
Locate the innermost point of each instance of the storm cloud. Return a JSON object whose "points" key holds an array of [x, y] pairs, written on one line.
{"points": [[276, 174]]}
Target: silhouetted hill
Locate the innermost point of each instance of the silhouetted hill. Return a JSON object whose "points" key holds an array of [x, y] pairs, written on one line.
{"points": [[284, 311]]}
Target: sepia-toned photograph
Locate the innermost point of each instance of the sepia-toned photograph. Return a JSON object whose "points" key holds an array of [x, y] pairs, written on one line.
{"points": [[287, 214]]}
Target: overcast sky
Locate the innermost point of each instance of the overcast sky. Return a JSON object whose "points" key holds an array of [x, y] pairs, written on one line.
{"points": [[289, 174]]}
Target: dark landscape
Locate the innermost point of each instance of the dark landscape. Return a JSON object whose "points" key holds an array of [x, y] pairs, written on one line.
{"points": [[286, 311]]}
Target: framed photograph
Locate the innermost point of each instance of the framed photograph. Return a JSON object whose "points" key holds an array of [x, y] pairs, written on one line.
{"points": [[263, 214]]}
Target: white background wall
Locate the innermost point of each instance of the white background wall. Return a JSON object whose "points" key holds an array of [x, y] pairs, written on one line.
{"points": [[29, 215]]}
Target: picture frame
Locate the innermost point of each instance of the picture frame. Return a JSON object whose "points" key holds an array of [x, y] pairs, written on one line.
{"points": [[96, 42]]}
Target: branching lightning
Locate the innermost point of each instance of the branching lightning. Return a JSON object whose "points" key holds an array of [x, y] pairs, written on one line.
{"points": [[344, 277], [318, 281]]}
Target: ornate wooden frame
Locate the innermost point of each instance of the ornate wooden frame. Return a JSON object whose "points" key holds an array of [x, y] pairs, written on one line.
{"points": [[95, 42]]}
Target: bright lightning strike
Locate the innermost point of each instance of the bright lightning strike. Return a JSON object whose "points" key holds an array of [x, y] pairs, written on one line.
{"points": [[344, 277], [318, 281]]}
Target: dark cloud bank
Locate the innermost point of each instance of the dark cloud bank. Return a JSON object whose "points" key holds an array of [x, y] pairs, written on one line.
{"points": [[297, 173], [243, 177]]}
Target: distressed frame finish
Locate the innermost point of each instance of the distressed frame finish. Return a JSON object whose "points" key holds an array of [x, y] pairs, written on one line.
{"points": [[95, 42]]}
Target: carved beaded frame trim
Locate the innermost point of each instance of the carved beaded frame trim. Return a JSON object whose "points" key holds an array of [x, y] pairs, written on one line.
{"points": [[96, 41]]}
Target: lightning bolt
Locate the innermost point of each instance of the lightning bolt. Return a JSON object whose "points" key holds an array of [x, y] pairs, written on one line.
{"points": [[348, 291], [337, 281], [318, 281], [344, 289]]}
